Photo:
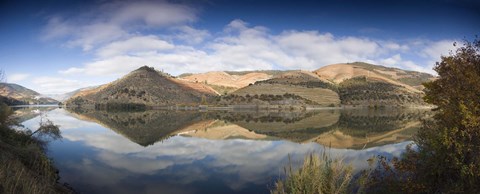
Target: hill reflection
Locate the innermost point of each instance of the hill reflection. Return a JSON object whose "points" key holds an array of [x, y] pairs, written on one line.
{"points": [[355, 128]]}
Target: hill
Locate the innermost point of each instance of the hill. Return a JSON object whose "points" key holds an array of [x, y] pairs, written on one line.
{"points": [[354, 84], [373, 85], [410, 80], [224, 82], [374, 92], [143, 87], [10, 101], [20, 95], [66, 96], [292, 88]]}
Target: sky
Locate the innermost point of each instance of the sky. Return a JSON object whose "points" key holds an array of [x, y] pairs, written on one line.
{"points": [[57, 46]]}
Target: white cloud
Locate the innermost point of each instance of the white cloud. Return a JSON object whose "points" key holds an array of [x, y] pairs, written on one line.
{"points": [[72, 71], [391, 61], [395, 46], [89, 36], [56, 27], [436, 49], [114, 20], [191, 35], [243, 47], [232, 158], [239, 47], [154, 14], [133, 45], [17, 77], [56, 85], [429, 52], [239, 162]]}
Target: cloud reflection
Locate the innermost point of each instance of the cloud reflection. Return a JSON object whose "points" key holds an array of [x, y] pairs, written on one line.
{"points": [[95, 159]]}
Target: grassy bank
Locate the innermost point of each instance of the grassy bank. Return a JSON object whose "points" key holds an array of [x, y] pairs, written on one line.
{"points": [[318, 174], [24, 167]]}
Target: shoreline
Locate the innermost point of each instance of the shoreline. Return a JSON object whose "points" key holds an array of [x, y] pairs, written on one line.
{"points": [[254, 107]]}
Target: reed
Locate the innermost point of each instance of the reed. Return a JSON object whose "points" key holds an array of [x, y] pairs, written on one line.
{"points": [[319, 174]]}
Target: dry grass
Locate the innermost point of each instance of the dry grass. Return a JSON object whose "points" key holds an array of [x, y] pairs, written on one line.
{"points": [[319, 174], [37, 176]]}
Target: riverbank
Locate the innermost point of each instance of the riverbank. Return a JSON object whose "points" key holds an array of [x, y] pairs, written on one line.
{"points": [[24, 166]]}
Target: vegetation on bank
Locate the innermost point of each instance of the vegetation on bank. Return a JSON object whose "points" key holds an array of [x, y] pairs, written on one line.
{"points": [[445, 157], [318, 174], [24, 167]]}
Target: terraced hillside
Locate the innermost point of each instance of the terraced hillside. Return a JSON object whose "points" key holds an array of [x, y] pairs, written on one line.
{"points": [[373, 85], [300, 95], [219, 79], [410, 80], [373, 92], [291, 88]]}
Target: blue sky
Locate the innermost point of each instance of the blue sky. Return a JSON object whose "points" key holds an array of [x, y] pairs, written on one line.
{"points": [[55, 47]]}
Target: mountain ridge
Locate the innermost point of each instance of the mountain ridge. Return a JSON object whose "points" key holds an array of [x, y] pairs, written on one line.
{"points": [[352, 84]]}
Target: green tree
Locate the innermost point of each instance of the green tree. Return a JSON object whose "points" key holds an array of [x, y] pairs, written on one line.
{"points": [[447, 157]]}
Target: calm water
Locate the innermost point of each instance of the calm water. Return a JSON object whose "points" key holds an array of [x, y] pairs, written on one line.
{"points": [[211, 152]]}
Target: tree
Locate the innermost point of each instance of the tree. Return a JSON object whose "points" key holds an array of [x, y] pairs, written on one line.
{"points": [[453, 138], [447, 156]]}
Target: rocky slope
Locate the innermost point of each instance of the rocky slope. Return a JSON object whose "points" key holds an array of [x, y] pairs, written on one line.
{"points": [[144, 86]]}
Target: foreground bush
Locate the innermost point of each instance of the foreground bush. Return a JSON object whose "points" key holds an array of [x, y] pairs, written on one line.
{"points": [[319, 174]]}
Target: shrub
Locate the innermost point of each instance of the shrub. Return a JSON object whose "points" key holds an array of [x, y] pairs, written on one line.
{"points": [[318, 174]]}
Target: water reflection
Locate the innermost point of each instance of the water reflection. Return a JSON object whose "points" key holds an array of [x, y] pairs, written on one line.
{"points": [[24, 113], [354, 128], [212, 152]]}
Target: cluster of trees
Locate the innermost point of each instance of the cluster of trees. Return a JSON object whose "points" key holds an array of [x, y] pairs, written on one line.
{"points": [[130, 93]]}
